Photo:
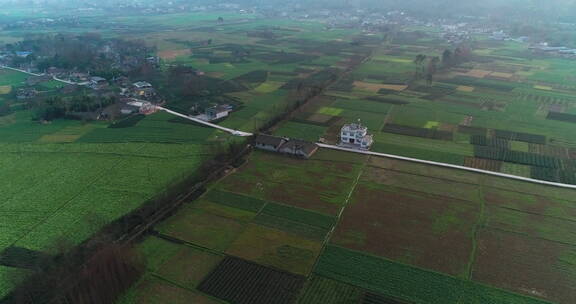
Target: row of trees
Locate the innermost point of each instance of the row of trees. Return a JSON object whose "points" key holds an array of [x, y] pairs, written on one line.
{"points": [[84, 52], [428, 66], [58, 107]]}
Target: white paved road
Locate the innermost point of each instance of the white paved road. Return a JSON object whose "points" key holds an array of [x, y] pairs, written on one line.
{"points": [[231, 131], [34, 74], [451, 166]]}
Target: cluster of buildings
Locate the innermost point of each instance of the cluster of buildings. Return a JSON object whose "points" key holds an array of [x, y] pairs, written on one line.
{"points": [[560, 51], [352, 136]]}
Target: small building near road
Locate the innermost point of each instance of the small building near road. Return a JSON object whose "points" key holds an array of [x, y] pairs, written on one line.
{"points": [[142, 85], [217, 112], [294, 147], [299, 148], [356, 136], [269, 143], [26, 93], [23, 54], [98, 82]]}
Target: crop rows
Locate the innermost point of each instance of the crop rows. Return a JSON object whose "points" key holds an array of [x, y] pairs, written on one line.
{"points": [[490, 142], [388, 100], [561, 176], [547, 99], [300, 215], [408, 283], [561, 117], [306, 231], [242, 282], [484, 164], [483, 83], [418, 132], [517, 157], [235, 200], [472, 130], [525, 137], [326, 291], [372, 298]]}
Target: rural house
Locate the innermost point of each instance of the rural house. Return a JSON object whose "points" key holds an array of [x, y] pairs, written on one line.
{"points": [[356, 136], [98, 82], [293, 147], [268, 142], [217, 112], [299, 148]]}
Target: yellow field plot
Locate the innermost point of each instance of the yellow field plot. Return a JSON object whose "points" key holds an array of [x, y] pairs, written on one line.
{"points": [[431, 124], [5, 89], [375, 87], [66, 135], [330, 111], [465, 89], [216, 74], [545, 88], [483, 52], [268, 87], [478, 73], [173, 54], [395, 87], [392, 59], [59, 138], [524, 73], [502, 75]]}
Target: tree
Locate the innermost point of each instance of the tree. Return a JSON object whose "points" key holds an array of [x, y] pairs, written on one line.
{"points": [[447, 58], [5, 109], [418, 61], [432, 69]]}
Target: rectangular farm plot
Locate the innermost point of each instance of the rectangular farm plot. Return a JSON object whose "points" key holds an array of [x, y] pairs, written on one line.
{"points": [[177, 263], [202, 228], [411, 284], [531, 203], [5, 89], [242, 282], [327, 291], [330, 111], [420, 183], [153, 290], [465, 89], [276, 249], [315, 184], [376, 87], [225, 210], [427, 231], [526, 265], [533, 225], [301, 222]]}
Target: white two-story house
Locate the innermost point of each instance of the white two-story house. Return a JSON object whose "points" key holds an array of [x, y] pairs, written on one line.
{"points": [[355, 135]]}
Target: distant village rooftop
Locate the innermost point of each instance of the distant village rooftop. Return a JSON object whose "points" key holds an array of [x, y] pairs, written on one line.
{"points": [[142, 84]]}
